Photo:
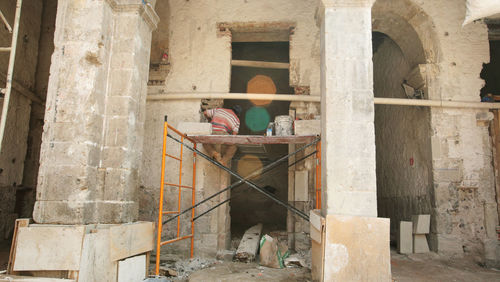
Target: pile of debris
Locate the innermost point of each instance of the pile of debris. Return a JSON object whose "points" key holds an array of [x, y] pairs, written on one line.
{"points": [[272, 252], [181, 269]]}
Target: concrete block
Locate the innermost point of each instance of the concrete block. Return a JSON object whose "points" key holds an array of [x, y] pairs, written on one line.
{"points": [[132, 269], [302, 185], [357, 248], [307, 127], [405, 240], [195, 128], [49, 248], [420, 244], [421, 223], [249, 245], [95, 262]]}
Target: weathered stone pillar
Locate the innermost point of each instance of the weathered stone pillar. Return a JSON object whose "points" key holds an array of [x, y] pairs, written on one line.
{"points": [[347, 109], [95, 110], [356, 242]]}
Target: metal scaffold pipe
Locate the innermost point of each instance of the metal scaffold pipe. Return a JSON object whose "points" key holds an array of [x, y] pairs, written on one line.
{"points": [[10, 72]]}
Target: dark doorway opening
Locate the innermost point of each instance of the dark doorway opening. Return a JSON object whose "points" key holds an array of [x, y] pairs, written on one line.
{"points": [[249, 207]]}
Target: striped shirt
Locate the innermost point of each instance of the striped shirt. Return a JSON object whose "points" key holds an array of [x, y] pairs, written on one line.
{"points": [[223, 120]]}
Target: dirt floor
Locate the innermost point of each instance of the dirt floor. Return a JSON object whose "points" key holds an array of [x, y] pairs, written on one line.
{"points": [[432, 267], [415, 267]]}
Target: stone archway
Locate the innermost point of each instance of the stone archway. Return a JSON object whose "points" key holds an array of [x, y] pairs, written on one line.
{"points": [[405, 52]]}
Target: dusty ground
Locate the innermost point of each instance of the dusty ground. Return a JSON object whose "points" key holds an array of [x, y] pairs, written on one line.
{"points": [[235, 271], [415, 267], [432, 267]]}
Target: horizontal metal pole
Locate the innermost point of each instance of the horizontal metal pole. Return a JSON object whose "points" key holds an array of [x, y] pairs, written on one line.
{"points": [[317, 99], [436, 103], [233, 96], [5, 49]]}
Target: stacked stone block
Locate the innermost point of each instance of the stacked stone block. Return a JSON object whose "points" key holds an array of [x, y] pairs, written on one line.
{"points": [[94, 121], [421, 224]]}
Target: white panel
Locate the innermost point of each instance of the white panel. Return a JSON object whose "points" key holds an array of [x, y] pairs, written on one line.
{"points": [[49, 248], [301, 186], [132, 269]]}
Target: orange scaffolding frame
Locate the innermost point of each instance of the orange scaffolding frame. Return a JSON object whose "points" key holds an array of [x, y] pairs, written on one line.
{"points": [[318, 175], [179, 186]]}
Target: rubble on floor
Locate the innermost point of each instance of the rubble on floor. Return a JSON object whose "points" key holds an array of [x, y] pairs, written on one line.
{"points": [[179, 270], [236, 271], [249, 245]]}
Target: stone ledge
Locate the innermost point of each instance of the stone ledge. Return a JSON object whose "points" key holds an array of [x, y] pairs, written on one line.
{"points": [[347, 3], [91, 212], [146, 11]]}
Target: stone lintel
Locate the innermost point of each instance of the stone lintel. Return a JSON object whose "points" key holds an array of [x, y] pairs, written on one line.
{"points": [[146, 11], [347, 3]]}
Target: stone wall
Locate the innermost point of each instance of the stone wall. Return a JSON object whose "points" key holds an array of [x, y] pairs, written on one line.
{"points": [[464, 206], [463, 217]]}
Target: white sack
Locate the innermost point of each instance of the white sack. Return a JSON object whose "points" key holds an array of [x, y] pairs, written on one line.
{"points": [[477, 9]]}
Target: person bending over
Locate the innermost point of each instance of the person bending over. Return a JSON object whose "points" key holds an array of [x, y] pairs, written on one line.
{"points": [[224, 122]]}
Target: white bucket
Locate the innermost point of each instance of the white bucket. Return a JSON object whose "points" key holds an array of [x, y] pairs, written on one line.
{"points": [[283, 125]]}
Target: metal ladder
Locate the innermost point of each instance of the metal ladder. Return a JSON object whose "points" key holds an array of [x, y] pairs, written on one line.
{"points": [[5, 92]]}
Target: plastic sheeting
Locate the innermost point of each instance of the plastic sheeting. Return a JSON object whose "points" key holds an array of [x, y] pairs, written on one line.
{"points": [[477, 9]]}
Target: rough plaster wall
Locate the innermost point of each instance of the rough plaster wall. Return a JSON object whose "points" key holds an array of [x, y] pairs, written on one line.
{"points": [[200, 60], [463, 217], [159, 42], [401, 133], [462, 154], [16, 132], [200, 57]]}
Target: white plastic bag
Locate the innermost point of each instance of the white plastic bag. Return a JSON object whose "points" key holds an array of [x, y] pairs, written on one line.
{"points": [[477, 9]]}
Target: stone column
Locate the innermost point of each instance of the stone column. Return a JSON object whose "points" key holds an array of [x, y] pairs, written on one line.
{"points": [[348, 148], [95, 108], [347, 109]]}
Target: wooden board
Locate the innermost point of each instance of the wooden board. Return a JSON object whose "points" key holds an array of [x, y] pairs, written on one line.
{"points": [[495, 134], [14, 278], [317, 244], [48, 248], [252, 139], [21, 222]]}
